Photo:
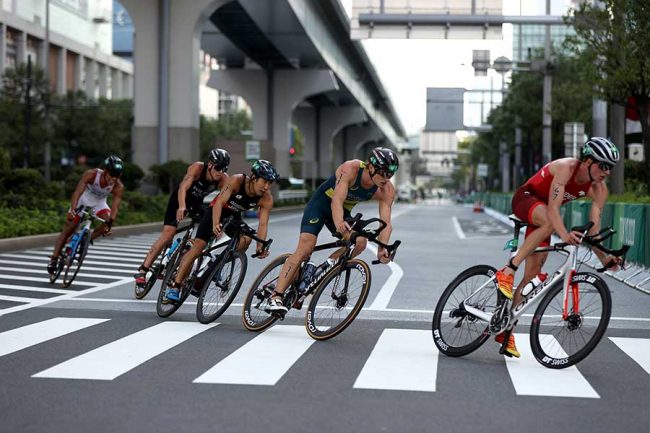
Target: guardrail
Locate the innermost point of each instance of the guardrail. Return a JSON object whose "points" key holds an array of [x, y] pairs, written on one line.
{"points": [[292, 194]]}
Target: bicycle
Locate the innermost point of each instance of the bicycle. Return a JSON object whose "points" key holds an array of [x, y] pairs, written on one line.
{"points": [[575, 306], [340, 303], [167, 259], [206, 278], [76, 249]]}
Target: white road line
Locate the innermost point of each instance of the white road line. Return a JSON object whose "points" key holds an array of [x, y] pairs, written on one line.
{"points": [[636, 348], [119, 248], [117, 252], [45, 259], [278, 348], [109, 258], [116, 358], [459, 230], [403, 359], [30, 335], [42, 280], [20, 299], [386, 292], [33, 289], [80, 274], [529, 377]]}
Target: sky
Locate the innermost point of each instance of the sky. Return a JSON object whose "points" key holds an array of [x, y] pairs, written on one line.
{"points": [[408, 66]]}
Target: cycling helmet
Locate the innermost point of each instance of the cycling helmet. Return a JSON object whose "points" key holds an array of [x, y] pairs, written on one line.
{"points": [[220, 158], [600, 150], [114, 165], [262, 168], [384, 160]]}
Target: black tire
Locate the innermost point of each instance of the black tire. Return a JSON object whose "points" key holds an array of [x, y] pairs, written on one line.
{"points": [[465, 333], [216, 297], [576, 337], [75, 260], [328, 313], [142, 291], [166, 308], [254, 317], [59, 267]]}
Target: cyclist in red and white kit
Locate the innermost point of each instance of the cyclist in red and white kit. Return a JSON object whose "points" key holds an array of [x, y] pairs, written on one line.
{"points": [[538, 202]]}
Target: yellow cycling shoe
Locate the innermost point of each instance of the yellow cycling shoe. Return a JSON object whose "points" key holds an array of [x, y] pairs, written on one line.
{"points": [[505, 282], [511, 349]]}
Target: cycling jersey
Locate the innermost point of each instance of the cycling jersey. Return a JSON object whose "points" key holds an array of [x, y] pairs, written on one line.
{"points": [[194, 197], [94, 196], [319, 209]]}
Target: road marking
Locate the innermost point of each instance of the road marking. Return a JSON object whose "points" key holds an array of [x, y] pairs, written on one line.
{"points": [[403, 359], [459, 230], [41, 267], [91, 256], [263, 360], [40, 271], [45, 259], [116, 358], [17, 299], [636, 348], [529, 377], [42, 280], [36, 333], [32, 289], [105, 251]]}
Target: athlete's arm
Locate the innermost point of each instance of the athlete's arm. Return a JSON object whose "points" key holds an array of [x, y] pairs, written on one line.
{"points": [[385, 195], [345, 176], [193, 174], [598, 194], [117, 192], [87, 178], [266, 204], [233, 184], [562, 171]]}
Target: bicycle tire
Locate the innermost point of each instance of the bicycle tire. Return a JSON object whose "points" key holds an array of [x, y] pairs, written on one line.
{"points": [[141, 292], [443, 336], [319, 319], [203, 312], [59, 268], [254, 317], [546, 315], [166, 309], [77, 257]]}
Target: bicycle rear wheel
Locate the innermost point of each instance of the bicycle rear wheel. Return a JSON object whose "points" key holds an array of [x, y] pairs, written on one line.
{"points": [[455, 331], [142, 291], [566, 342], [338, 300], [59, 267], [75, 259], [254, 315], [221, 287]]}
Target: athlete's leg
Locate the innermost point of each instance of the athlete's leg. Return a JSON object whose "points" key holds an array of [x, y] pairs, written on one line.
{"points": [[306, 244], [244, 243], [101, 229], [188, 259], [165, 239]]}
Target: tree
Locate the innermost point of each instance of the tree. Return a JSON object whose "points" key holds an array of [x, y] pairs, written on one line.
{"points": [[228, 126], [614, 41]]}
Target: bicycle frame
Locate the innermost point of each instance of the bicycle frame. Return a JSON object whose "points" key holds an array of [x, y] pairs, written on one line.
{"points": [[83, 227]]}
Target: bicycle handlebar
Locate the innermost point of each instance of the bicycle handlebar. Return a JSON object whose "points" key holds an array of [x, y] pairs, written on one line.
{"points": [[358, 225], [246, 230], [84, 210], [596, 241]]}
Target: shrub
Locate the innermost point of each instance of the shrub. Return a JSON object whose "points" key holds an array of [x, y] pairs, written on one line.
{"points": [[169, 175]]}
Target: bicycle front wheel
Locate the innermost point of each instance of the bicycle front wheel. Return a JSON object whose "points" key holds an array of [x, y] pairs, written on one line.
{"points": [[560, 342], [254, 315], [59, 267], [165, 307], [142, 291], [75, 259], [455, 331], [338, 300], [221, 287]]}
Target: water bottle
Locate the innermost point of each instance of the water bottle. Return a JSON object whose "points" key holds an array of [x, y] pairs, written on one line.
{"points": [[170, 251], [308, 271], [534, 283]]}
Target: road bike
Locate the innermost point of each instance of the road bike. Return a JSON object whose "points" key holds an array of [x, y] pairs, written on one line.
{"points": [[170, 256], [75, 250], [339, 286], [215, 277], [569, 322]]}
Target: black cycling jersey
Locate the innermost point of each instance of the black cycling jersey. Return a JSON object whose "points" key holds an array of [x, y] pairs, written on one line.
{"points": [[199, 189], [240, 201]]}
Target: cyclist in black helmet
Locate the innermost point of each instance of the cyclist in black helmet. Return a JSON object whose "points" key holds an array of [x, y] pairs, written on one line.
{"points": [[241, 193], [354, 181], [201, 179], [92, 190]]}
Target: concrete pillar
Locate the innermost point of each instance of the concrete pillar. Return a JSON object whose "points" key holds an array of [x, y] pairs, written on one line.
{"points": [[103, 80], [61, 71], [21, 49], [305, 119], [91, 78], [127, 86], [116, 84], [358, 137], [250, 85], [79, 73], [290, 87], [332, 120], [3, 49]]}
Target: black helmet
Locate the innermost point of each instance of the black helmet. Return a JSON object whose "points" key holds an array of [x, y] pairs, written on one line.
{"points": [[600, 150], [114, 165], [262, 168], [384, 160], [220, 158]]}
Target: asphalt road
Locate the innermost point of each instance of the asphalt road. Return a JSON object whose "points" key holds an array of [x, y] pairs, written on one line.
{"points": [[92, 358]]}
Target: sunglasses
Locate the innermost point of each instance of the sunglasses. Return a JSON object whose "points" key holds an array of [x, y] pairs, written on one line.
{"points": [[385, 174], [605, 167], [219, 170]]}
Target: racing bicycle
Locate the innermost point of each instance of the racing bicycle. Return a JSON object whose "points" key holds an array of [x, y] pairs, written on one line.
{"points": [[339, 286], [569, 322]]}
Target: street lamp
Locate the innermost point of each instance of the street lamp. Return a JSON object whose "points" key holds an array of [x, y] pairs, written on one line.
{"points": [[503, 65]]}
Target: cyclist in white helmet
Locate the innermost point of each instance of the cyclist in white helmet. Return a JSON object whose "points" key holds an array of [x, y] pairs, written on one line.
{"points": [[538, 202]]}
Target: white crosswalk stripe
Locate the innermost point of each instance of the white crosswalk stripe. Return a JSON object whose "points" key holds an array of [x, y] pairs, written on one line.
{"points": [[116, 358], [30, 335], [279, 348], [636, 348], [403, 359]]}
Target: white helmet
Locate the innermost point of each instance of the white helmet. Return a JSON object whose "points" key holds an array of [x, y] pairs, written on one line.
{"points": [[601, 150]]}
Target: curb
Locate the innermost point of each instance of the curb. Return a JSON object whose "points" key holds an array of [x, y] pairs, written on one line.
{"points": [[45, 240]]}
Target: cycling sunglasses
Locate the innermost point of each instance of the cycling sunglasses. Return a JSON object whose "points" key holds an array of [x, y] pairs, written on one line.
{"points": [[605, 167], [384, 173]]}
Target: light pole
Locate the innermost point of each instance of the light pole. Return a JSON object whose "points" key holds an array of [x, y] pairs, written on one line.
{"points": [[47, 155], [502, 65]]}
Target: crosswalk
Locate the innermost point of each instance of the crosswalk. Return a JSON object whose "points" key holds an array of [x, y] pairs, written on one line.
{"points": [[24, 280], [400, 360]]}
